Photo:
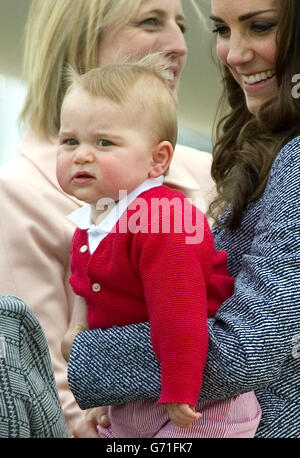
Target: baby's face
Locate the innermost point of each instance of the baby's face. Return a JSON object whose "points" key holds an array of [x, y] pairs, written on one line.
{"points": [[101, 150]]}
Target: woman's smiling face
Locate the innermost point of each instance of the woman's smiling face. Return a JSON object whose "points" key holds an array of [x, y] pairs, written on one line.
{"points": [[246, 44], [158, 26]]}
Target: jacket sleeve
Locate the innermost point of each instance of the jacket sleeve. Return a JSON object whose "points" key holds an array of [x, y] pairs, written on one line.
{"points": [[29, 400], [34, 253], [251, 337]]}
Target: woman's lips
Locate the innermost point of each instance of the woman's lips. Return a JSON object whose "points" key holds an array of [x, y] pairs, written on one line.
{"points": [[256, 87]]}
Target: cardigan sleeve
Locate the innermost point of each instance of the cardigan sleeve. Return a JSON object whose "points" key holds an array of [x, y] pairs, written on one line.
{"points": [[174, 275], [251, 337]]}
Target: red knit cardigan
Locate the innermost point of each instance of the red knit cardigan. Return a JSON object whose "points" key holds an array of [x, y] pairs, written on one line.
{"points": [[136, 277]]}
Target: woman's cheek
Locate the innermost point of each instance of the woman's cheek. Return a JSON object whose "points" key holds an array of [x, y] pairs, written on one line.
{"points": [[222, 52]]}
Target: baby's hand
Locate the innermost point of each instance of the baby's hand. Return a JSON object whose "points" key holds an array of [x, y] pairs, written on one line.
{"points": [[182, 415], [69, 338]]}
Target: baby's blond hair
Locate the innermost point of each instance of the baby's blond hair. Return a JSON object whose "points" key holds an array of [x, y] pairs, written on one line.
{"points": [[142, 86]]}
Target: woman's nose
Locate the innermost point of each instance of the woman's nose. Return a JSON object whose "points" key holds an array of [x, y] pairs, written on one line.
{"points": [[172, 41], [239, 51]]}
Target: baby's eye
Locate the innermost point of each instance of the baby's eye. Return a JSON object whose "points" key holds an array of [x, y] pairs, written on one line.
{"points": [[71, 142], [104, 143]]}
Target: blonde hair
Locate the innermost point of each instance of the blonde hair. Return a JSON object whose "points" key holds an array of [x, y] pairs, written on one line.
{"points": [[142, 86], [61, 33]]}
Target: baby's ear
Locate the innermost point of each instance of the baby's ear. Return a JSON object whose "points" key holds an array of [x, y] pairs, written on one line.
{"points": [[161, 157]]}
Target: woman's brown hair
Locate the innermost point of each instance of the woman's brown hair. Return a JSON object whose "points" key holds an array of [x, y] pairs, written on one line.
{"points": [[246, 145]]}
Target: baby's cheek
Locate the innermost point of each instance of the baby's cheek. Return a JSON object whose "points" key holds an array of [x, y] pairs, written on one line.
{"points": [[62, 170], [112, 168]]}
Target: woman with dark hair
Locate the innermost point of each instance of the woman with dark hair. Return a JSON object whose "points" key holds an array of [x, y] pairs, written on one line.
{"points": [[247, 145], [255, 335]]}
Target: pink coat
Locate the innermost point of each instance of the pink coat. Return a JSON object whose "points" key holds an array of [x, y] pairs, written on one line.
{"points": [[36, 237]]}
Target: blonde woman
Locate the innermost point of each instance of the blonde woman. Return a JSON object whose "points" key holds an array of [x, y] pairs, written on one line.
{"points": [[35, 235]]}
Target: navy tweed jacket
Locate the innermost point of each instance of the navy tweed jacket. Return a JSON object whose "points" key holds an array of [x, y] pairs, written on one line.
{"points": [[29, 404], [255, 336]]}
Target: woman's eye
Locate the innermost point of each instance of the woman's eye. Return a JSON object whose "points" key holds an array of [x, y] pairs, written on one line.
{"points": [[150, 22], [104, 143], [257, 27], [155, 22], [261, 27], [182, 27], [221, 30]]}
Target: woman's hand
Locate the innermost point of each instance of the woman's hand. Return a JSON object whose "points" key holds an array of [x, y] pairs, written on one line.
{"points": [[86, 427]]}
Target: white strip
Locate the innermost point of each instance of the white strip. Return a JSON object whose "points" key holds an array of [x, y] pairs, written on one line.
{"points": [[2, 347]]}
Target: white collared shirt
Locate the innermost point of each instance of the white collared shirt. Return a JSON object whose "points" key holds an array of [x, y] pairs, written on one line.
{"points": [[83, 220]]}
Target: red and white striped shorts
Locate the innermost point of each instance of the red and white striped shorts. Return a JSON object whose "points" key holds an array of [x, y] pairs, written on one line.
{"points": [[236, 417]]}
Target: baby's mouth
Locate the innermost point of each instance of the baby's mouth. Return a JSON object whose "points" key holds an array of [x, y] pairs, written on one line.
{"points": [[82, 177]]}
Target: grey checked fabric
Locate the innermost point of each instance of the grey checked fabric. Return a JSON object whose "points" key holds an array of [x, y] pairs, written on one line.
{"points": [[255, 336], [29, 404]]}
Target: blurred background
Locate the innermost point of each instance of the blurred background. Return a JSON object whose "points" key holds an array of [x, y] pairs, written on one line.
{"points": [[199, 91]]}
